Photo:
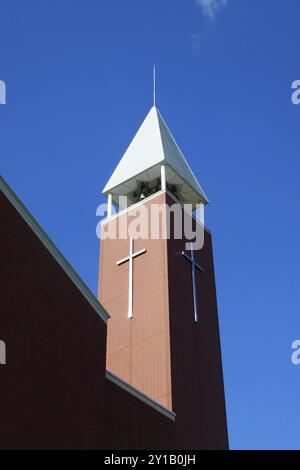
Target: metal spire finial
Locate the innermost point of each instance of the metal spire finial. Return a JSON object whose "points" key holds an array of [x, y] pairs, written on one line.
{"points": [[154, 85]]}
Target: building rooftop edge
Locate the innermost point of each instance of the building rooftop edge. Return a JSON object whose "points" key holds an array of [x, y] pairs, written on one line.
{"points": [[52, 248], [141, 396], [202, 195]]}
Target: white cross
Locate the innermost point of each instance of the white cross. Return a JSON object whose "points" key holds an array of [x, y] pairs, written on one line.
{"points": [[194, 266], [130, 285]]}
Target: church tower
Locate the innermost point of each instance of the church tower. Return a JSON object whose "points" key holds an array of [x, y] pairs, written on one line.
{"points": [[159, 288]]}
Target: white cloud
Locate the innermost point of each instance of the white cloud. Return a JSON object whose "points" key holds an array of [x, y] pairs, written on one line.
{"points": [[196, 42], [211, 7]]}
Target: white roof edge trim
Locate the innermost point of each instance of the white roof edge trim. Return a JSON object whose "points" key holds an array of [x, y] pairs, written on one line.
{"points": [[135, 176], [203, 195]]}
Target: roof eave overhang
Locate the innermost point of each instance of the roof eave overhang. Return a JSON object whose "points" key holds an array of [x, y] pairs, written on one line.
{"points": [[202, 196]]}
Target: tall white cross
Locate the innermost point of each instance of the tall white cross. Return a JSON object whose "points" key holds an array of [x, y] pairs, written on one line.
{"points": [[194, 266], [130, 284]]}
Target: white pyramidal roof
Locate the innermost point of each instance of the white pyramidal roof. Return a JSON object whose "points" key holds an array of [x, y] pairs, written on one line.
{"points": [[152, 146]]}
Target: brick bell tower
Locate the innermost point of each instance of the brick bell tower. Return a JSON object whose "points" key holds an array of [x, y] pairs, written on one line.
{"points": [[163, 334]]}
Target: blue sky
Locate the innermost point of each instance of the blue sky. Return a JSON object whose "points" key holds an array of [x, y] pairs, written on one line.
{"points": [[79, 83]]}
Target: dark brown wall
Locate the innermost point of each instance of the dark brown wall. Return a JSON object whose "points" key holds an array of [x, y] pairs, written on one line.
{"points": [[52, 387], [197, 378], [132, 424]]}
